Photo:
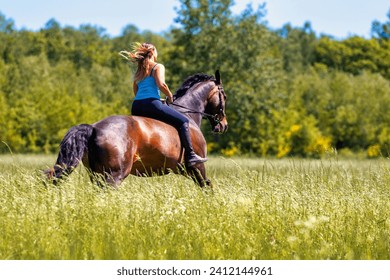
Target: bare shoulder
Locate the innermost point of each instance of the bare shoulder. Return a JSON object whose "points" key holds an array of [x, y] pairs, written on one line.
{"points": [[159, 73], [160, 67]]}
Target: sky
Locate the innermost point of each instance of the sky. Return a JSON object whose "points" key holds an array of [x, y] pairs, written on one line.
{"points": [[338, 18]]}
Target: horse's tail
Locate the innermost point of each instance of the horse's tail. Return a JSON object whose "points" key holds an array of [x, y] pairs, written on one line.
{"points": [[72, 149]]}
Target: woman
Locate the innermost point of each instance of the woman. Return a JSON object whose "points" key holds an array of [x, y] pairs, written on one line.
{"points": [[149, 80]]}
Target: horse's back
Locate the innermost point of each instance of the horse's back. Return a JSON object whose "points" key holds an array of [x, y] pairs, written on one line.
{"points": [[140, 145], [167, 136]]}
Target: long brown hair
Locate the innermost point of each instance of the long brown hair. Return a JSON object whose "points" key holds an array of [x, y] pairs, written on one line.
{"points": [[140, 54]]}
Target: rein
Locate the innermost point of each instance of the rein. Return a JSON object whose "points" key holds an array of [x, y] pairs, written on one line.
{"points": [[191, 110], [204, 115]]}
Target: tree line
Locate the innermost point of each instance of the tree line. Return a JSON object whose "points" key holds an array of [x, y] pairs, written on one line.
{"points": [[290, 91]]}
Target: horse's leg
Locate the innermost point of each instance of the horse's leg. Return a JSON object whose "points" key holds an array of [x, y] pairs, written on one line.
{"points": [[87, 166], [106, 165], [198, 174], [114, 178], [95, 170]]}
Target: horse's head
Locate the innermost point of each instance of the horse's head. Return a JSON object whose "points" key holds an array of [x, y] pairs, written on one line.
{"points": [[215, 108], [203, 95]]}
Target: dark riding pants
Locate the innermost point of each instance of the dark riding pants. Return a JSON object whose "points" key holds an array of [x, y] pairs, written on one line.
{"points": [[155, 109]]}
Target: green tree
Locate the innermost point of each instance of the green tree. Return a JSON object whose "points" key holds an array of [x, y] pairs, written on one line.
{"points": [[6, 25], [381, 30], [297, 47], [210, 37], [3, 106], [289, 93], [200, 41], [354, 55], [349, 110]]}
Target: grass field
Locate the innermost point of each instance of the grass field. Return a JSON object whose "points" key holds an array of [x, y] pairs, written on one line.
{"points": [[259, 209]]}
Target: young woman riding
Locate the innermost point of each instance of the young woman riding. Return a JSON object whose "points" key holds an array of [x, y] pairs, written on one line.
{"points": [[149, 80]]}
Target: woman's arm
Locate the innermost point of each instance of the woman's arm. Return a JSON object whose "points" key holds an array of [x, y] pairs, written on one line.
{"points": [[159, 76]]}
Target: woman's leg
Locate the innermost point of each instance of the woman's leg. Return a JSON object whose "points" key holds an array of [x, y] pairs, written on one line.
{"points": [[190, 156], [156, 110], [181, 123], [153, 108]]}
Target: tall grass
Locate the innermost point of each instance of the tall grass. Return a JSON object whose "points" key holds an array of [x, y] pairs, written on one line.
{"points": [[259, 209]]}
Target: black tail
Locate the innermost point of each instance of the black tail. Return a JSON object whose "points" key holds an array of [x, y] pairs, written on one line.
{"points": [[72, 149]]}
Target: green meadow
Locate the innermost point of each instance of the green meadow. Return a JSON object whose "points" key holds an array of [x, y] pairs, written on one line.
{"points": [[258, 209]]}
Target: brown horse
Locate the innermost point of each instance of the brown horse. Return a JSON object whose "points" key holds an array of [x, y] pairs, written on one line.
{"points": [[121, 145]]}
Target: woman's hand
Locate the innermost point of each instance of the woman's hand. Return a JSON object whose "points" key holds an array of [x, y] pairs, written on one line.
{"points": [[169, 99]]}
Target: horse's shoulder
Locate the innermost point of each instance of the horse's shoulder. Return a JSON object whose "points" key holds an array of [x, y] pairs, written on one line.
{"points": [[196, 132], [194, 126]]}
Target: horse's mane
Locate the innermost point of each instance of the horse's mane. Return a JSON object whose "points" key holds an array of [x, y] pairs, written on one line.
{"points": [[192, 80]]}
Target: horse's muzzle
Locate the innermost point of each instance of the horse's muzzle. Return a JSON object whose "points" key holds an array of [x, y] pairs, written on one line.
{"points": [[220, 128]]}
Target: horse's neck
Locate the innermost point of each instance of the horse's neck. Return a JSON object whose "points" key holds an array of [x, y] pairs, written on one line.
{"points": [[195, 100]]}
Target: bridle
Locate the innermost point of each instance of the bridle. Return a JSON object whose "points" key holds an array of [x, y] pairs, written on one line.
{"points": [[217, 118]]}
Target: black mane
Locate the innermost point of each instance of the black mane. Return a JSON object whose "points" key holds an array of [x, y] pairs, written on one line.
{"points": [[192, 80]]}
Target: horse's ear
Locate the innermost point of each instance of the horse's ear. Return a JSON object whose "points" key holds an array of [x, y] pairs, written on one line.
{"points": [[218, 77]]}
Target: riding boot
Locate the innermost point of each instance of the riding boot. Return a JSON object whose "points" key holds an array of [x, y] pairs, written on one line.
{"points": [[189, 155]]}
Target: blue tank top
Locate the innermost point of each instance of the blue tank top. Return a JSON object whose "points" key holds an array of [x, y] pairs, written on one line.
{"points": [[147, 88]]}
